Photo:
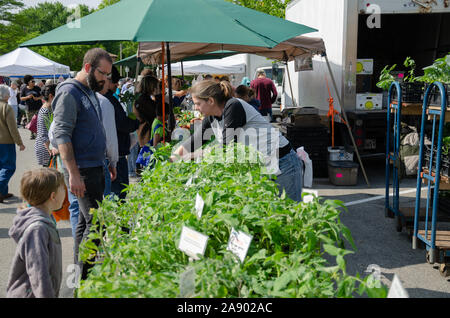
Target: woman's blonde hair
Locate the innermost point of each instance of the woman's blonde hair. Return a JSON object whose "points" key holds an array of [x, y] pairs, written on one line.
{"points": [[221, 92], [37, 185]]}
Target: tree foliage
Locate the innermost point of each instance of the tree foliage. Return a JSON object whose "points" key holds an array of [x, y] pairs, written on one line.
{"points": [[273, 7], [6, 6]]}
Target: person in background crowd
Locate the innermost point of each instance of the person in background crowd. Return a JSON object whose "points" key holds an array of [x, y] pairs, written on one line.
{"points": [[36, 270], [178, 94], [245, 81], [124, 126], [243, 92], [217, 79], [42, 145], [265, 91], [32, 98], [12, 101], [9, 137], [112, 149], [145, 107], [231, 119], [208, 77], [252, 100], [81, 139]]}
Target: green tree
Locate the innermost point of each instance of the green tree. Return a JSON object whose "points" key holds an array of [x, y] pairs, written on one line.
{"points": [[6, 6], [44, 17], [273, 7]]}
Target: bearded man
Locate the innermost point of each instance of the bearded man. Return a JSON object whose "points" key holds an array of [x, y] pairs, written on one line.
{"points": [[81, 139]]}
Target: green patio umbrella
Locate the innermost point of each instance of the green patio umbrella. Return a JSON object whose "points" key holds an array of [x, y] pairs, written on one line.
{"points": [[193, 21], [199, 21]]}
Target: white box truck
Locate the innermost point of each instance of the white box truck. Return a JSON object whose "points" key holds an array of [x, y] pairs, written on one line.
{"points": [[376, 32]]}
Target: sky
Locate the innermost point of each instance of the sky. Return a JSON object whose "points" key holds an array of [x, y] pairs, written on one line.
{"points": [[89, 3]]}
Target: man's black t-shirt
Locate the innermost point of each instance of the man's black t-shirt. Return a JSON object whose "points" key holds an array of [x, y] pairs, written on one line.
{"points": [[32, 104]]}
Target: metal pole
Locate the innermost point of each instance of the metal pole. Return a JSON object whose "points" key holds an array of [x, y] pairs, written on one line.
{"points": [[346, 120], [182, 70], [120, 57], [171, 124], [163, 92], [137, 63], [289, 78]]}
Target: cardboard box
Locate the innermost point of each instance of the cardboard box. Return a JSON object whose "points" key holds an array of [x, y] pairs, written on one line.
{"points": [[369, 101]]}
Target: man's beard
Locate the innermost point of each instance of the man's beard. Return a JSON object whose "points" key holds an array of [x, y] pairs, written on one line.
{"points": [[93, 84]]}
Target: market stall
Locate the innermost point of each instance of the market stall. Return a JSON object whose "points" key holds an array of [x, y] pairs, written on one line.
{"points": [[24, 61]]}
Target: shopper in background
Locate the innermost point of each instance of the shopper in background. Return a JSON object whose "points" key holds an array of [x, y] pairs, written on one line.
{"points": [[124, 126], [42, 145], [9, 138], [244, 92], [112, 149], [36, 270], [12, 101], [32, 98], [265, 91]]}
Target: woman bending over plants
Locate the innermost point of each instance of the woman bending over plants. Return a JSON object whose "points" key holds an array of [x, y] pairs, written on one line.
{"points": [[228, 119]]}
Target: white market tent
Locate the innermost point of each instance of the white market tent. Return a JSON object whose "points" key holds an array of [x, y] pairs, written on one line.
{"points": [[24, 61], [229, 65]]}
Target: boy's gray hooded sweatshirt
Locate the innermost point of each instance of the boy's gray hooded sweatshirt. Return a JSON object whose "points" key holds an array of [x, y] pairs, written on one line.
{"points": [[36, 270]]}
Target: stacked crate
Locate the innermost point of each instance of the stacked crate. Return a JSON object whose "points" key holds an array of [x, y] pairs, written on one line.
{"points": [[315, 141]]}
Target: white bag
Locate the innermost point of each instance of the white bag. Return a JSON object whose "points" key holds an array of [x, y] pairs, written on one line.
{"points": [[308, 174]]}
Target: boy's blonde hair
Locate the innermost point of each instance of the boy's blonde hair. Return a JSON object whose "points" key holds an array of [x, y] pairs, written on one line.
{"points": [[37, 185]]}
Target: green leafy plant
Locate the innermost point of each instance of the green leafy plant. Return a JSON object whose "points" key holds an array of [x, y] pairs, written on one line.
{"points": [[439, 71], [138, 254], [386, 78], [411, 64]]}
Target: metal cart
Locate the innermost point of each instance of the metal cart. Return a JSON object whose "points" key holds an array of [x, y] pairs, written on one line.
{"points": [[404, 215], [437, 242]]}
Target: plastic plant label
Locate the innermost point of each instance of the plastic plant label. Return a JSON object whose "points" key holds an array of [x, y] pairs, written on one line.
{"points": [[397, 290], [307, 198], [187, 283], [192, 242], [239, 243], [199, 204], [189, 182]]}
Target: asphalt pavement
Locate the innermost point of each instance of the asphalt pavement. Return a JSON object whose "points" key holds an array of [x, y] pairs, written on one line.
{"points": [[380, 248]]}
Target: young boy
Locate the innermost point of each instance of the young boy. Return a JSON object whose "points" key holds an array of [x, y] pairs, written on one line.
{"points": [[36, 270]]}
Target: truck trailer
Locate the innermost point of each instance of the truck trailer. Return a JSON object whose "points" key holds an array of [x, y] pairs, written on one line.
{"points": [[362, 37]]}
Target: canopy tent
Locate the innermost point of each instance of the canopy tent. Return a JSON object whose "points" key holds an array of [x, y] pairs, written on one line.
{"points": [[24, 61], [228, 65], [150, 52]]}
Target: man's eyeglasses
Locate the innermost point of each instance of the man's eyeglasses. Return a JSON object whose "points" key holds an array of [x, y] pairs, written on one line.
{"points": [[108, 75]]}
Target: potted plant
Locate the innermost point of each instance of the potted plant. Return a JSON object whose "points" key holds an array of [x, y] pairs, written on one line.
{"points": [[411, 88], [439, 71]]}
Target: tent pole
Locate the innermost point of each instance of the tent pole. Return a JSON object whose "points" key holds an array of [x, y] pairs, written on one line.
{"points": [[289, 78], [171, 123], [163, 93], [346, 120], [137, 63]]}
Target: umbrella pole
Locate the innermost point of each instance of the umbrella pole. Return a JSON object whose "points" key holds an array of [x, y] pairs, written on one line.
{"points": [[171, 123], [163, 93], [137, 63], [346, 121]]}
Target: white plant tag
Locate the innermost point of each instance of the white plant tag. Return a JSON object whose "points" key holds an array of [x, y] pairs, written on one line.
{"points": [[397, 290], [309, 197], [189, 182], [192, 242], [187, 283], [239, 243], [199, 204]]}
